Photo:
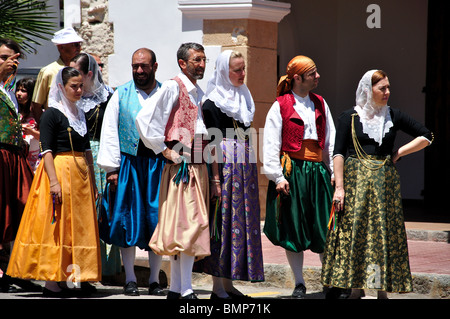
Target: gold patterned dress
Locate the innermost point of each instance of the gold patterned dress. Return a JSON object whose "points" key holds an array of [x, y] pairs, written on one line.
{"points": [[367, 247]]}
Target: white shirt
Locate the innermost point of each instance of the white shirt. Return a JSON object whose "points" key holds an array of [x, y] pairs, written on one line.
{"points": [[109, 151], [151, 121], [272, 136]]}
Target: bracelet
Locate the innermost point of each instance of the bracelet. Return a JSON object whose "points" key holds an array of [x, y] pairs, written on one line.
{"points": [[54, 184], [214, 181]]}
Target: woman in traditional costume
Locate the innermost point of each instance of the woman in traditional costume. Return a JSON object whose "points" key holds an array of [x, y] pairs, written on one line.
{"points": [[298, 142], [366, 244], [58, 238], [93, 102], [228, 112]]}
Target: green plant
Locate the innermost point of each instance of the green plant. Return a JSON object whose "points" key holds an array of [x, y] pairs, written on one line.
{"points": [[26, 21]]}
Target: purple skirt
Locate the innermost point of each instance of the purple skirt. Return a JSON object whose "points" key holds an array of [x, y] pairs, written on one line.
{"points": [[235, 225]]}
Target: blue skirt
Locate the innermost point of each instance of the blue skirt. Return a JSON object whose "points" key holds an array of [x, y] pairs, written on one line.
{"points": [[130, 214]]}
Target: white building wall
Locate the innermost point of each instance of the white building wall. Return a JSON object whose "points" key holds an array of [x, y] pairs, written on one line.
{"points": [[155, 24]]}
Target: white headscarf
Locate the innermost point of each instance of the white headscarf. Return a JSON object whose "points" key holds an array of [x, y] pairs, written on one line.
{"points": [[376, 121], [234, 101], [97, 92], [57, 99]]}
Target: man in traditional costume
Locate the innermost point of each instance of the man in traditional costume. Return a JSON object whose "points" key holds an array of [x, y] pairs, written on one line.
{"points": [[173, 126], [299, 129], [15, 172], [130, 200]]}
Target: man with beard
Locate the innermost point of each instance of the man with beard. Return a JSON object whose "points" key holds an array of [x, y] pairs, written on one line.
{"points": [[173, 126], [131, 196]]}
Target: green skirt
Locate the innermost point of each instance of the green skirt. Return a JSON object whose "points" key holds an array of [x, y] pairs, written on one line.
{"points": [[368, 247], [298, 222]]}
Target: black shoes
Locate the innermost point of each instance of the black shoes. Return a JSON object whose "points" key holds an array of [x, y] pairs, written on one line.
{"points": [[155, 290], [299, 291], [85, 290], [214, 296], [131, 289], [337, 293], [190, 296], [175, 295], [64, 293], [238, 296]]}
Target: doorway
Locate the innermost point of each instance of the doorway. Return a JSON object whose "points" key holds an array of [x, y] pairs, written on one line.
{"points": [[437, 112]]}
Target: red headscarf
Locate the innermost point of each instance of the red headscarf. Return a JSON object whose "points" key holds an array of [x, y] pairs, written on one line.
{"points": [[298, 65]]}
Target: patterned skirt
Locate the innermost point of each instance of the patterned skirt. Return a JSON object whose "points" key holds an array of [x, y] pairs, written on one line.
{"points": [[235, 225], [299, 221], [57, 242], [368, 247]]}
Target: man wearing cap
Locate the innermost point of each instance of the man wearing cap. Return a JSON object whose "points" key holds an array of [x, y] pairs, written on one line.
{"points": [[68, 43], [298, 143]]}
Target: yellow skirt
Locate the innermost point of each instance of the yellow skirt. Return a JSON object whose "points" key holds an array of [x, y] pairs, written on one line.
{"points": [[69, 247], [183, 222]]}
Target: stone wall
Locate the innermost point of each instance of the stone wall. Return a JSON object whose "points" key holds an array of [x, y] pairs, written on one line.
{"points": [[97, 31], [257, 41]]}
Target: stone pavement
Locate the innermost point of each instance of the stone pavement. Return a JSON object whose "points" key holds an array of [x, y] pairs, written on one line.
{"points": [[429, 251], [429, 254]]}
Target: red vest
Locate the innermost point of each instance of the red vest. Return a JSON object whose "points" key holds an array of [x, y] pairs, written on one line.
{"points": [[182, 121], [293, 127]]}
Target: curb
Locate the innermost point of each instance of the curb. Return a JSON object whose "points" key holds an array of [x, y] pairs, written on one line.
{"points": [[434, 286], [428, 235]]}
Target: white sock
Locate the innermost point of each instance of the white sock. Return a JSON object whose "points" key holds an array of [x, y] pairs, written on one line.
{"points": [[296, 263], [154, 262], [175, 274], [128, 257], [186, 264]]}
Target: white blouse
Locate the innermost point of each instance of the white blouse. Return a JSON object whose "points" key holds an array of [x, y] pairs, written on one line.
{"points": [[272, 136], [109, 151], [151, 120]]}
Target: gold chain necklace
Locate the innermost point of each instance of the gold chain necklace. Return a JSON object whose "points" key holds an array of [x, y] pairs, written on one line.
{"points": [[363, 157], [240, 133], [84, 172]]}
